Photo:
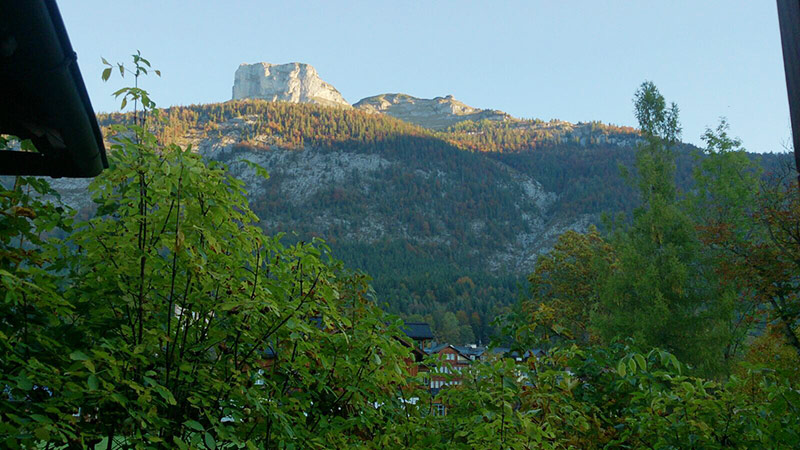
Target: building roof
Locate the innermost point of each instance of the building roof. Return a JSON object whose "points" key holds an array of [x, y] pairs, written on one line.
{"points": [[419, 355], [44, 98], [505, 351], [470, 350], [459, 349], [436, 348], [418, 330]]}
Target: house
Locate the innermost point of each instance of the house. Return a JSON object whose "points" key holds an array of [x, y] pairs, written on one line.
{"points": [[506, 352], [472, 351], [453, 359], [419, 332]]}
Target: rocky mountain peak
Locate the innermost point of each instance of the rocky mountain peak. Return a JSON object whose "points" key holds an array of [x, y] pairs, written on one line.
{"points": [[435, 113], [292, 82]]}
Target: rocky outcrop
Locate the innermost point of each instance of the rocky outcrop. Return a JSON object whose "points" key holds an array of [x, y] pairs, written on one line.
{"points": [[437, 113], [293, 82]]}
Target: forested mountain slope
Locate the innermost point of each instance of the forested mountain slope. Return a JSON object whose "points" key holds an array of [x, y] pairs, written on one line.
{"points": [[446, 222]]}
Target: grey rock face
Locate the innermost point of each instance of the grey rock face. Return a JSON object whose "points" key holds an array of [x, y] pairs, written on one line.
{"points": [[293, 82], [436, 113], [301, 177]]}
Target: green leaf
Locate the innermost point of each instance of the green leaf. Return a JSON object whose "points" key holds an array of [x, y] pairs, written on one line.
{"points": [[42, 433], [165, 394], [210, 442], [260, 171], [27, 145], [106, 74], [181, 445], [194, 425], [508, 383], [92, 382], [675, 363], [78, 355], [104, 61], [24, 383], [622, 368], [40, 418], [641, 361], [124, 102]]}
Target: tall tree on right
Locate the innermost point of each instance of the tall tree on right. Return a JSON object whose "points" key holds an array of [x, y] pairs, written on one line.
{"points": [[661, 291]]}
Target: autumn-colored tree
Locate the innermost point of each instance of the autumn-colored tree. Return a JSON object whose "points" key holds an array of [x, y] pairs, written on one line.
{"points": [[765, 260], [567, 278], [725, 198], [770, 351]]}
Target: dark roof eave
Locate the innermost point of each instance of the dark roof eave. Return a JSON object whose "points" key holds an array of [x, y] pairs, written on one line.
{"points": [[45, 98]]}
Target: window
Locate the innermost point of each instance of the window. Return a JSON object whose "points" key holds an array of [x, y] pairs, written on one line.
{"points": [[439, 409]]}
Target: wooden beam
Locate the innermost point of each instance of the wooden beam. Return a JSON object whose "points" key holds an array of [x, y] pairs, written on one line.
{"points": [[36, 164], [789, 22]]}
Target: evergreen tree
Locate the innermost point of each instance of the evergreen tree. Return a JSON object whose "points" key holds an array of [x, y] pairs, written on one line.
{"points": [[659, 292]]}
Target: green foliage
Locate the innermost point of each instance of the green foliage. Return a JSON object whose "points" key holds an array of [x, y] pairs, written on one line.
{"points": [[170, 320], [611, 396], [441, 228], [659, 292], [760, 255], [565, 285], [727, 184], [33, 351], [726, 181]]}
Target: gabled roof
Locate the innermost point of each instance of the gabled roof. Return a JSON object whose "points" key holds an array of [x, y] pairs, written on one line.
{"points": [[436, 348], [470, 351], [499, 350], [43, 96], [418, 330], [505, 351], [418, 354]]}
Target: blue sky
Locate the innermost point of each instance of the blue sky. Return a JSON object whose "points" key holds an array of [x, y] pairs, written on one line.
{"points": [[571, 60]]}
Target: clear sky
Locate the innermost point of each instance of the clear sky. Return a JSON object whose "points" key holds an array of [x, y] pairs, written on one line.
{"points": [[571, 60]]}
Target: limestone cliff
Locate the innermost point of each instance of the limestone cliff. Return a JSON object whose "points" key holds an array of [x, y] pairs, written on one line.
{"points": [[437, 113], [293, 82]]}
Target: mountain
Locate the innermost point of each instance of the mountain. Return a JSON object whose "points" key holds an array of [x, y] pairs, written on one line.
{"points": [[293, 82], [437, 113], [448, 220]]}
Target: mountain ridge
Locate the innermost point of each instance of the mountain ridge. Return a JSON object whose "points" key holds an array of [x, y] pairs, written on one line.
{"points": [[300, 83], [437, 113], [418, 209]]}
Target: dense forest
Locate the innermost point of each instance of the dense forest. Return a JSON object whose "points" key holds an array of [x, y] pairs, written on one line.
{"points": [[447, 205], [171, 316]]}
